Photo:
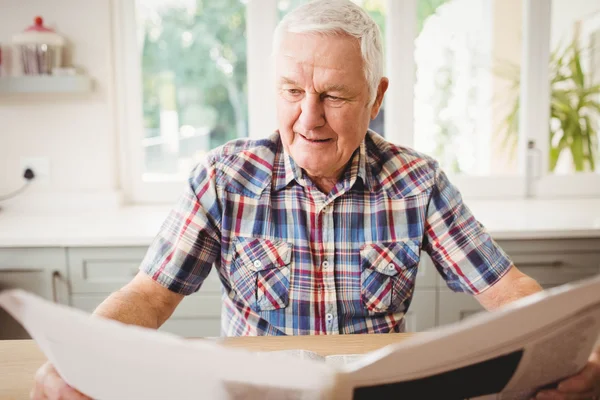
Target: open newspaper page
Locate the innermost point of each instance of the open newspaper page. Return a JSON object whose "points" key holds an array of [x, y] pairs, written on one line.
{"points": [[506, 354], [106, 359]]}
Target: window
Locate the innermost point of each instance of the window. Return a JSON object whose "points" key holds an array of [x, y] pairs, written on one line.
{"points": [[193, 71], [477, 84], [567, 144], [466, 54], [574, 74]]}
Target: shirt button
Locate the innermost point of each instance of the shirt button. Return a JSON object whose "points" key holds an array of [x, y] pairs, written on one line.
{"points": [[329, 317], [325, 264], [257, 264], [391, 266]]}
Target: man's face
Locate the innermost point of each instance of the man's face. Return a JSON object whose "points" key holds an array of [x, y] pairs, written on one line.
{"points": [[322, 101]]}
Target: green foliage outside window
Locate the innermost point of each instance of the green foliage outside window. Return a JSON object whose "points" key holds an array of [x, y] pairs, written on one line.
{"points": [[574, 109], [195, 64]]}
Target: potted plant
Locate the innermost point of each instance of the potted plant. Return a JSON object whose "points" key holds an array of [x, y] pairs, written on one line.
{"points": [[574, 109]]}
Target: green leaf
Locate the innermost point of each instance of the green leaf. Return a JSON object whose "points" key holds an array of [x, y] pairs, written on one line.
{"points": [[589, 139], [577, 148], [554, 153]]}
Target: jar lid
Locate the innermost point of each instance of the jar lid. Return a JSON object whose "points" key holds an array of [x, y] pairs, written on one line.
{"points": [[39, 34]]}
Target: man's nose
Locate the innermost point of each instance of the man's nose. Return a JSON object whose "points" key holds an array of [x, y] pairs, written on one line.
{"points": [[312, 113]]}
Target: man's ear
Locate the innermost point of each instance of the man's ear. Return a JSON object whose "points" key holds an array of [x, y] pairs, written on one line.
{"points": [[381, 89]]}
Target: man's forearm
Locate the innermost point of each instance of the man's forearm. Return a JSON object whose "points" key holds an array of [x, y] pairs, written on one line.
{"points": [[129, 307], [522, 287], [513, 286]]}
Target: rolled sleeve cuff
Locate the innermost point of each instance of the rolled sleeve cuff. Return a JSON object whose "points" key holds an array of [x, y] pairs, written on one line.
{"points": [[477, 282]]}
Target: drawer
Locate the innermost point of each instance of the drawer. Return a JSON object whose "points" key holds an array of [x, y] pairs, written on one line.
{"points": [[553, 268], [41, 258], [105, 270], [542, 246], [41, 271], [198, 305]]}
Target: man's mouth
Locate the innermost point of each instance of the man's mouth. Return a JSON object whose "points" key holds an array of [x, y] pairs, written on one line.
{"points": [[314, 140]]}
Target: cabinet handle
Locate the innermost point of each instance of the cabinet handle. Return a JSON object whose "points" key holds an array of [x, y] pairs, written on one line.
{"points": [[538, 264], [18, 270], [55, 276]]}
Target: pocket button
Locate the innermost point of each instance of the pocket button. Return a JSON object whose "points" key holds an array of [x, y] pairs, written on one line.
{"points": [[329, 317], [257, 264]]}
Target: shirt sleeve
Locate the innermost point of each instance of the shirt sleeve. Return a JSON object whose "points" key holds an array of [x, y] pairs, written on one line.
{"points": [[188, 242], [463, 252]]}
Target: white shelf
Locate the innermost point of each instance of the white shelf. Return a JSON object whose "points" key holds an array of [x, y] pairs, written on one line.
{"points": [[45, 84]]}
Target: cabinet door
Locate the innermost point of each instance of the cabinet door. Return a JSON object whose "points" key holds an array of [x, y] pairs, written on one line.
{"points": [[555, 262], [426, 273], [553, 268], [454, 307], [421, 313], [39, 271], [103, 269], [198, 315]]}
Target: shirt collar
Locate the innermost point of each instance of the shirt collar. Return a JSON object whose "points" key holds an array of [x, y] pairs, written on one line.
{"points": [[286, 169]]}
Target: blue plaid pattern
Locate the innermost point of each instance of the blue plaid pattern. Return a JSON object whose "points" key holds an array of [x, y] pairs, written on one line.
{"points": [[295, 261]]}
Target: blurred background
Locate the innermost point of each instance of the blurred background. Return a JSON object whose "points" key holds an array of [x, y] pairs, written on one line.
{"points": [[106, 105], [176, 78]]}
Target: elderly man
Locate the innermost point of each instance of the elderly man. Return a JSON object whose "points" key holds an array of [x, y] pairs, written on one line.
{"points": [[318, 229]]}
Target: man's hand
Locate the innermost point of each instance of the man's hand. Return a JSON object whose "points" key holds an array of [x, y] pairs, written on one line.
{"points": [[584, 385], [50, 386]]}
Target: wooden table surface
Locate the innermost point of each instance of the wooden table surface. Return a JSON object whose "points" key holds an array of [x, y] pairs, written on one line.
{"points": [[19, 359]]}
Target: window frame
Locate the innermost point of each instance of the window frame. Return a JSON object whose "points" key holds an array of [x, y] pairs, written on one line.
{"points": [[401, 29]]}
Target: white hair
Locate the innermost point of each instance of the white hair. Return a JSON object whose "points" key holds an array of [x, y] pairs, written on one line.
{"points": [[334, 17]]}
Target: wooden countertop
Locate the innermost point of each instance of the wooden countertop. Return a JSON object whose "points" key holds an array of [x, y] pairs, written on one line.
{"points": [[19, 359]]}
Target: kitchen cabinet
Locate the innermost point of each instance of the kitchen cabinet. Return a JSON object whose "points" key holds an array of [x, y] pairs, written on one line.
{"points": [[550, 262], [84, 276], [421, 313], [42, 271], [96, 272]]}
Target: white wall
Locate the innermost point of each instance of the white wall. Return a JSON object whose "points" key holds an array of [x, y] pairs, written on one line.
{"points": [[565, 13], [76, 132]]}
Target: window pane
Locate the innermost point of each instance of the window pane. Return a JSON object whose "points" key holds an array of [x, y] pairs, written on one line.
{"points": [[467, 56], [376, 9], [193, 57], [574, 86]]}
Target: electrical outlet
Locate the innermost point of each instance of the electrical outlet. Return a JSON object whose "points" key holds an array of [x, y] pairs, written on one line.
{"points": [[40, 167]]}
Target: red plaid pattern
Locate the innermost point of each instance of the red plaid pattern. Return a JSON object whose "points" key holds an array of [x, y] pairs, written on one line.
{"points": [[296, 261]]}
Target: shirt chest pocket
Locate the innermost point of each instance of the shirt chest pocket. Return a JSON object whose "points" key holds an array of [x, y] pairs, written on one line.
{"points": [[260, 272], [388, 273]]}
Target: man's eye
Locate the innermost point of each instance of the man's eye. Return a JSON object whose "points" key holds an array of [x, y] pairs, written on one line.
{"points": [[293, 91], [333, 98]]}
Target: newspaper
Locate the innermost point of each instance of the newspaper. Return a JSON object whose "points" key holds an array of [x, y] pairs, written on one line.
{"points": [[332, 359], [505, 354]]}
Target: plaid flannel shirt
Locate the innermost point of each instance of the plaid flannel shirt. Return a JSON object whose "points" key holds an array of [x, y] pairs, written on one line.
{"points": [[295, 261]]}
